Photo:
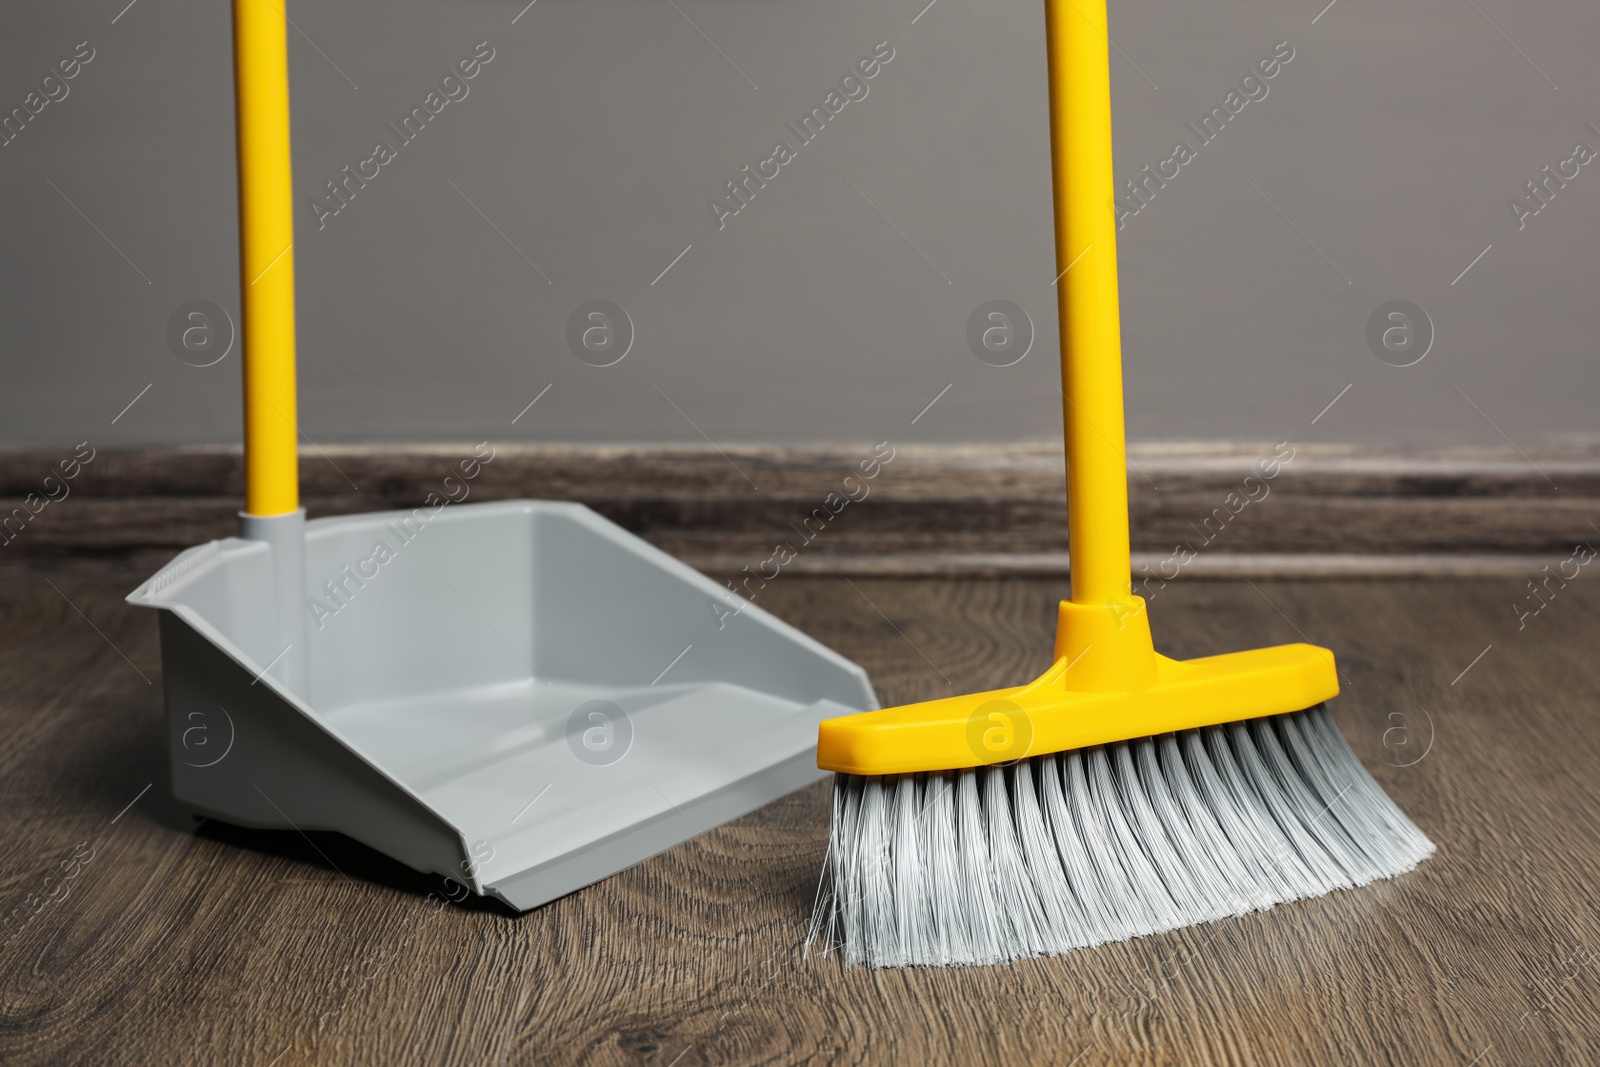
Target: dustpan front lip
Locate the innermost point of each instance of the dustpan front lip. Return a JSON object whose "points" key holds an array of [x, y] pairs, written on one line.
{"points": [[526, 845]]}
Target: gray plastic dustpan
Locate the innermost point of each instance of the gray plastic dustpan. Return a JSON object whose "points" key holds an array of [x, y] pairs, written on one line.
{"points": [[519, 695]]}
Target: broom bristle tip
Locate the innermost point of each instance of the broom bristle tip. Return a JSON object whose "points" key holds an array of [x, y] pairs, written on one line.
{"points": [[1059, 852]]}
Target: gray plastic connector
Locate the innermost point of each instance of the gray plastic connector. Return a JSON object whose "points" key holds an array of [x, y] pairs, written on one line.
{"points": [[286, 536]]}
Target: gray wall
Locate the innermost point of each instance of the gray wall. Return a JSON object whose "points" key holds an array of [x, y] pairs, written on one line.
{"points": [[1382, 157]]}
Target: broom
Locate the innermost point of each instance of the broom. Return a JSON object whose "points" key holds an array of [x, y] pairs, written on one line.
{"points": [[1122, 793]]}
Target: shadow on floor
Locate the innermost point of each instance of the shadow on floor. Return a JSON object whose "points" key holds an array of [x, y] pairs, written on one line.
{"points": [[338, 854]]}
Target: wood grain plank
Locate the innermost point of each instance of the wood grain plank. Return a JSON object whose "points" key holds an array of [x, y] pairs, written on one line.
{"points": [[178, 946]]}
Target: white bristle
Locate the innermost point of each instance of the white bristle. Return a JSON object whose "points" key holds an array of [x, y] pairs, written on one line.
{"points": [[1063, 918], [943, 870], [1062, 845], [979, 918], [1067, 851]]}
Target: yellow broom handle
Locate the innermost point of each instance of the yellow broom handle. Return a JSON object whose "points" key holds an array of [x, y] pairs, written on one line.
{"points": [[266, 256], [1091, 336]]}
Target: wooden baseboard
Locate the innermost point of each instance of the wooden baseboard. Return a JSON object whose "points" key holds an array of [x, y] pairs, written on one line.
{"points": [[1147, 566], [1197, 510]]}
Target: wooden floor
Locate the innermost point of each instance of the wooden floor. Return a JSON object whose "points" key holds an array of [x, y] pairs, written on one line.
{"points": [[226, 946]]}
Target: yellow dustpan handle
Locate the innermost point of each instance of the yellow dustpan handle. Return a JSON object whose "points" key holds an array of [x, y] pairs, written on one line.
{"points": [[266, 256], [1091, 336]]}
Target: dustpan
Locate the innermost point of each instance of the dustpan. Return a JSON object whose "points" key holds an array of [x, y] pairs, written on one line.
{"points": [[518, 695]]}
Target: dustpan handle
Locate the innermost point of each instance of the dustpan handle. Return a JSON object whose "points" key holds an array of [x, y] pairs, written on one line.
{"points": [[266, 256], [1086, 294]]}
